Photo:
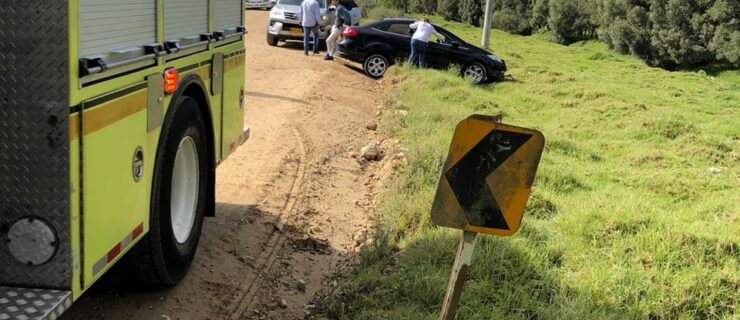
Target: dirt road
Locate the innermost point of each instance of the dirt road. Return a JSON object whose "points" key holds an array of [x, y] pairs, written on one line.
{"points": [[293, 203]]}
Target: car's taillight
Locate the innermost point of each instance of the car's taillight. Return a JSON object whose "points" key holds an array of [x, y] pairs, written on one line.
{"points": [[170, 81], [349, 32]]}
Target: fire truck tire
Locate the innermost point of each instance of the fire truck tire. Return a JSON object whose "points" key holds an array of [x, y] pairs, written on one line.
{"points": [[178, 199]]}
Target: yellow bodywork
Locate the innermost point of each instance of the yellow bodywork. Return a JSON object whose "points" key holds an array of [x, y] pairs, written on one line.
{"points": [[109, 205]]}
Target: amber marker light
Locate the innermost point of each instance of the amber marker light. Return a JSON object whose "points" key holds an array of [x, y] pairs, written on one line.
{"points": [[170, 81]]}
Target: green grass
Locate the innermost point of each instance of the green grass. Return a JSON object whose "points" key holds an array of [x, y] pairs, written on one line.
{"points": [[625, 221]]}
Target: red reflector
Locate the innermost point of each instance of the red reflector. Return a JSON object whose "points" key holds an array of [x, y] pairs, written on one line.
{"points": [[170, 81], [349, 32]]}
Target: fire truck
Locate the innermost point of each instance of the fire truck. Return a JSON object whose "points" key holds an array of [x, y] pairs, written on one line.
{"points": [[113, 117]]}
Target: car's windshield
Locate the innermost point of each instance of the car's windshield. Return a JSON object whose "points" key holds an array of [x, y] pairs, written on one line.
{"points": [[322, 3]]}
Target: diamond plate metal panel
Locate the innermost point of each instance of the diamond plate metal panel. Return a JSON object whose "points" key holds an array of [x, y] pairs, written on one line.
{"points": [[33, 304], [34, 137]]}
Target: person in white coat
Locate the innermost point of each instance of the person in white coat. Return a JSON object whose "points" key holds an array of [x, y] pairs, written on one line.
{"points": [[420, 41]]}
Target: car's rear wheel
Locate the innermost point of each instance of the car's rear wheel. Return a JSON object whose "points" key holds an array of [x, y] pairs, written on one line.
{"points": [[475, 73], [272, 40], [375, 65]]}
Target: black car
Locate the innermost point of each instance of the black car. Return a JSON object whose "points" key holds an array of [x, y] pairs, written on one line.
{"points": [[380, 44]]}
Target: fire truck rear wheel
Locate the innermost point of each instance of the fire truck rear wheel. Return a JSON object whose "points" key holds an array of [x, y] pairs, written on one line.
{"points": [[178, 198]]}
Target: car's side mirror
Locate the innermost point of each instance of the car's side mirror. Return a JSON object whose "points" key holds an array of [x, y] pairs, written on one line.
{"points": [[455, 44]]}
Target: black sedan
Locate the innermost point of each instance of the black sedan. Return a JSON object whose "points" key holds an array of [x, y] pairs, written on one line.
{"points": [[380, 44]]}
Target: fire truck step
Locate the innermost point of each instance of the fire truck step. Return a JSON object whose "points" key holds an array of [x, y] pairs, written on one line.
{"points": [[33, 304]]}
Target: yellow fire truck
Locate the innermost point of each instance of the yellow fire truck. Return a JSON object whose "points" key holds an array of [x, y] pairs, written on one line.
{"points": [[113, 117]]}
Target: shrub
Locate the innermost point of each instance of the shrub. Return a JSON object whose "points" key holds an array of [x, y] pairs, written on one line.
{"points": [[725, 43], [626, 28], [540, 13], [395, 4], [449, 9], [422, 6], [672, 33], [366, 6], [512, 16], [678, 35], [381, 12], [572, 20], [471, 11]]}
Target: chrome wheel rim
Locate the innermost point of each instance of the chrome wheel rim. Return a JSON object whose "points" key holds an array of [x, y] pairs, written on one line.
{"points": [[474, 73], [184, 193], [376, 66]]}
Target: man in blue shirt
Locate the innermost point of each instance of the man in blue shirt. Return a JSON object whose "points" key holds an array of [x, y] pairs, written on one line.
{"points": [[310, 19]]}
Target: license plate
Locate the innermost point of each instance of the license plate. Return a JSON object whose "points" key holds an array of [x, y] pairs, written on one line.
{"points": [[296, 31]]}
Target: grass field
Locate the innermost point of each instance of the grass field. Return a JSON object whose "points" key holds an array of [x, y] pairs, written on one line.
{"points": [[635, 212]]}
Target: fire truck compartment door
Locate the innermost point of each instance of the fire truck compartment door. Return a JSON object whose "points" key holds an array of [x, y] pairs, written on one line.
{"points": [[185, 18], [117, 168], [110, 25], [227, 14]]}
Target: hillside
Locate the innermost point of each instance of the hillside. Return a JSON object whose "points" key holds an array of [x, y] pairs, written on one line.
{"points": [[635, 212]]}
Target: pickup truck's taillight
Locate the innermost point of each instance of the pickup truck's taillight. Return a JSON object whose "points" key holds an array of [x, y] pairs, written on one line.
{"points": [[349, 32]]}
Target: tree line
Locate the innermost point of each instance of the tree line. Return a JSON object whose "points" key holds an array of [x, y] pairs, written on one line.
{"points": [[664, 33]]}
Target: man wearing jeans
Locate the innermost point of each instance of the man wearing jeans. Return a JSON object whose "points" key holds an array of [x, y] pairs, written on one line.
{"points": [[420, 41], [310, 19]]}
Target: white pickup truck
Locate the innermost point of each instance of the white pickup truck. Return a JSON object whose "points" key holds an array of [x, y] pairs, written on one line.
{"points": [[284, 20]]}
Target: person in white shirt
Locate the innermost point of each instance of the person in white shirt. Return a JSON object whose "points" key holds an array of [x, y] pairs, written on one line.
{"points": [[310, 19], [420, 41]]}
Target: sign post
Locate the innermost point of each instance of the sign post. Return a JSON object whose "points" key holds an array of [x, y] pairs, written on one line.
{"points": [[485, 185], [459, 273]]}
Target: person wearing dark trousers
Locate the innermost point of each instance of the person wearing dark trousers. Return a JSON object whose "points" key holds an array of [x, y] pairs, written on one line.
{"points": [[420, 41], [310, 19]]}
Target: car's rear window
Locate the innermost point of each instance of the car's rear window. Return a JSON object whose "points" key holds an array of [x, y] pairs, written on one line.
{"points": [[399, 28]]}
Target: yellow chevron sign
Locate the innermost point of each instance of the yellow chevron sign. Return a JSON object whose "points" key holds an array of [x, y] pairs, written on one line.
{"points": [[487, 177]]}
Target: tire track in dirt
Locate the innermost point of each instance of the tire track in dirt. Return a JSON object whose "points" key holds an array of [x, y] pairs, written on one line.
{"points": [[277, 239]]}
